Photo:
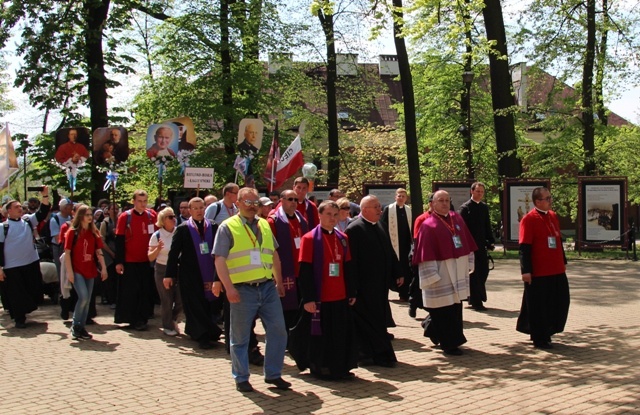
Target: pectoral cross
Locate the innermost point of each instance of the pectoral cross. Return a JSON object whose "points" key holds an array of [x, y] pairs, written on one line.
{"points": [[288, 283]]}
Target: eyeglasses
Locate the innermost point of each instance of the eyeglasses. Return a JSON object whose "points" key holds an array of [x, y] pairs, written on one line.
{"points": [[249, 203], [291, 199], [171, 216]]}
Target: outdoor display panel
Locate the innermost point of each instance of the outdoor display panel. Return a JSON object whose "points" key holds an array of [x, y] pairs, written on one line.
{"points": [[602, 210], [459, 191], [386, 193], [517, 202]]}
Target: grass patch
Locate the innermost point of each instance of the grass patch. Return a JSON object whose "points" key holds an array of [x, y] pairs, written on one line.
{"points": [[605, 254]]}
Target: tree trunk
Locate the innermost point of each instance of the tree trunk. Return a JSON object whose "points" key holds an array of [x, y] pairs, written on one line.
{"points": [[96, 12], [600, 64], [509, 166], [408, 101], [332, 107], [228, 132], [465, 100], [588, 133]]}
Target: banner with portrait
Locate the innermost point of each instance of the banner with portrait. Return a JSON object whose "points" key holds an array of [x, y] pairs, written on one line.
{"points": [[72, 145], [517, 202], [110, 146], [162, 141], [186, 133]]}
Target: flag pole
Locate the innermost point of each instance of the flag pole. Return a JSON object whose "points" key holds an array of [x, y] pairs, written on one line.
{"points": [[273, 162]]}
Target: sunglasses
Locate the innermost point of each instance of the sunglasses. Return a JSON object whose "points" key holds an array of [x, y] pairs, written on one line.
{"points": [[290, 199], [249, 203], [171, 216]]}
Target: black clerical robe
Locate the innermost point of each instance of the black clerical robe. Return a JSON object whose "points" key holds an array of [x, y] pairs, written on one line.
{"points": [[375, 269], [183, 265]]}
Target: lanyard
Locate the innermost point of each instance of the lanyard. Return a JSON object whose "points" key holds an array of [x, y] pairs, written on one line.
{"points": [[253, 240], [335, 245], [552, 229], [451, 228], [293, 229]]}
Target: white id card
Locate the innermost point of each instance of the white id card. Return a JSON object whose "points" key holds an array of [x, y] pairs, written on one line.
{"points": [[457, 242], [552, 242], [297, 242], [255, 257], [150, 229], [334, 269], [204, 248]]}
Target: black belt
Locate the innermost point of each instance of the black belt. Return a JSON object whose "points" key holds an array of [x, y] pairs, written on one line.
{"points": [[254, 284]]}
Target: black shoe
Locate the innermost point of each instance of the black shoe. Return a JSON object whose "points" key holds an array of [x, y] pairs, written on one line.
{"points": [[278, 383], [390, 336], [255, 357], [478, 307], [76, 332], [412, 312], [244, 386], [453, 351], [141, 326], [84, 334], [543, 345], [21, 325], [64, 314], [89, 322], [205, 345]]}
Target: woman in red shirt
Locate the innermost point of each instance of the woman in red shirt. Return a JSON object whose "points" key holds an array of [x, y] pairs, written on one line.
{"points": [[82, 245]]}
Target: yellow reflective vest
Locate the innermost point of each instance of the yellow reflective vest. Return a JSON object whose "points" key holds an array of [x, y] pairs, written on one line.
{"points": [[239, 259]]}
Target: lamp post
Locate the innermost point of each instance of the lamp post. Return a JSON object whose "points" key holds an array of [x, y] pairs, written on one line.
{"points": [[467, 78], [24, 144]]}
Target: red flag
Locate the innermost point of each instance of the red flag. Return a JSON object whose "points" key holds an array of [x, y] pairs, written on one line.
{"points": [[290, 162], [272, 161]]}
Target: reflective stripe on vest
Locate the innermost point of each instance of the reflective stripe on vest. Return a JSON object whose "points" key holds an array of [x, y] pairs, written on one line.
{"points": [[239, 258]]}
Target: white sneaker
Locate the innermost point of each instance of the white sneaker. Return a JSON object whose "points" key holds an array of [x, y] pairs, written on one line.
{"points": [[170, 332]]}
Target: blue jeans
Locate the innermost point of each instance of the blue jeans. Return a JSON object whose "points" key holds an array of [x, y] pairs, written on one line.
{"points": [[84, 288], [264, 302]]}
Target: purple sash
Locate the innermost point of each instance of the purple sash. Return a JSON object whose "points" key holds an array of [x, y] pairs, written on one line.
{"points": [[318, 269], [205, 261], [290, 300]]}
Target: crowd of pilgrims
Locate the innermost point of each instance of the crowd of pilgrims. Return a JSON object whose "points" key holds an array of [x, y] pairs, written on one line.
{"points": [[333, 266]]}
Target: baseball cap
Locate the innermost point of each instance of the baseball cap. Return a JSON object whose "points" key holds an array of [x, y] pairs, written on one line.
{"points": [[265, 201]]}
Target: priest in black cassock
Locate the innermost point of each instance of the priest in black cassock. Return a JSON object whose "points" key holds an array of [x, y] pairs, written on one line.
{"points": [[375, 269], [191, 263]]}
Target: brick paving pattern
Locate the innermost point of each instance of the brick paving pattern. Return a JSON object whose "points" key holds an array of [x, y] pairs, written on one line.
{"points": [[593, 368]]}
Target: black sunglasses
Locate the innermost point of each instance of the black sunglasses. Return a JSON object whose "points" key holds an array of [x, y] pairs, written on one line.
{"points": [[290, 199]]}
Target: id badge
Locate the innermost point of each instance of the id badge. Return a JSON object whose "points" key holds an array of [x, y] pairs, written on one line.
{"points": [[334, 269], [552, 242], [255, 257], [297, 242], [457, 242], [204, 248], [150, 229]]}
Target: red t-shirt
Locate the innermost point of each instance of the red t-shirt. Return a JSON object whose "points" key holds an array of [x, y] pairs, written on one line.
{"points": [[83, 259], [416, 225], [137, 234], [333, 288], [315, 220], [63, 232], [535, 230], [295, 231]]}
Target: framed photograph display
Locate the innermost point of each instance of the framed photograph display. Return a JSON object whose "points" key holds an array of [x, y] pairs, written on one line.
{"points": [[459, 191], [602, 213], [385, 192], [517, 202]]}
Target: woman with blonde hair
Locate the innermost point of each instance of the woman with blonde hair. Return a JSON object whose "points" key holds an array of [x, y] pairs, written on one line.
{"points": [[343, 214], [159, 247], [82, 245]]}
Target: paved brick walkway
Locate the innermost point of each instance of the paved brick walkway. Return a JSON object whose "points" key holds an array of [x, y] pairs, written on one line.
{"points": [[593, 368]]}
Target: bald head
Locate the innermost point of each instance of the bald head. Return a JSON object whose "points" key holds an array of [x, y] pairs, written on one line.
{"points": [[370, 208], [441, 202]]}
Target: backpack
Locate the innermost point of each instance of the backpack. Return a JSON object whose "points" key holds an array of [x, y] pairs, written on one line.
{"points": [[152, 264], [129, 217], [218, 207], [5, 225]]}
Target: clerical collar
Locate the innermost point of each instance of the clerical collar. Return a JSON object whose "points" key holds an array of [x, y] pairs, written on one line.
{"points": [[478, 202], [442, 216], [366, 220], [400, 207], [326, 231], [543, 212], [15, 220], [290, 216], [199, 222]]}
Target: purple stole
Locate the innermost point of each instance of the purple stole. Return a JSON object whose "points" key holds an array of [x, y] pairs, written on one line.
{"points": [[318, 269], [290, 300], [205, 261]]}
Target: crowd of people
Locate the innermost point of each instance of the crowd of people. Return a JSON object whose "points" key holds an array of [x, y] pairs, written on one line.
{"points": [[317, 276]]}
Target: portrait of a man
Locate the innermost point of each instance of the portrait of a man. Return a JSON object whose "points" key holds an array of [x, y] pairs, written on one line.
{"points": [[72, 145], [250, 137], [161, 140]]}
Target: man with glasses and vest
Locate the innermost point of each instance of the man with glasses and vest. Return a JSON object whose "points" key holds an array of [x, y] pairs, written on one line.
{"points": [[247, 265]]}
